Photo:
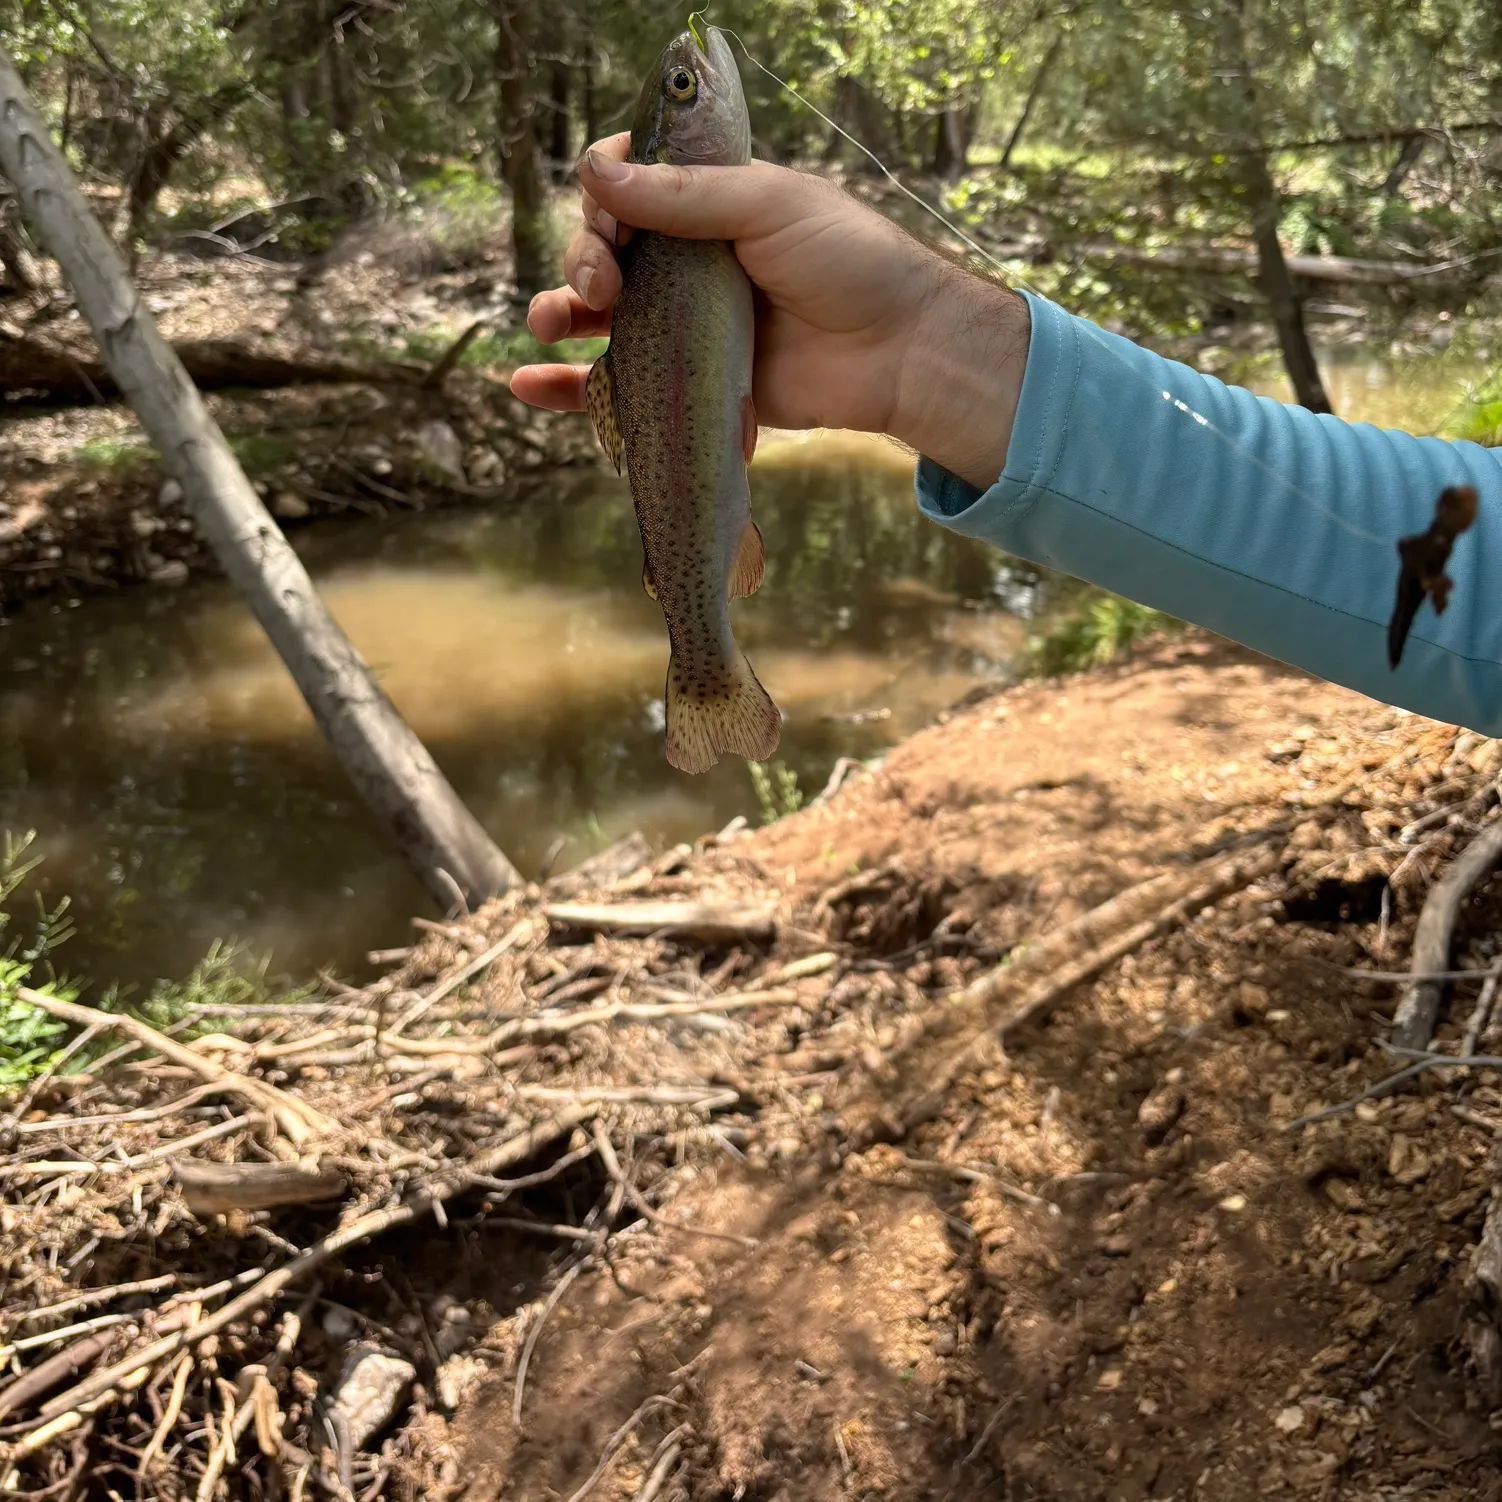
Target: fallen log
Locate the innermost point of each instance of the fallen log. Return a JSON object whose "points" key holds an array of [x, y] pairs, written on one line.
{"points": [[57, 374], [218, 1188], [674, 920]]}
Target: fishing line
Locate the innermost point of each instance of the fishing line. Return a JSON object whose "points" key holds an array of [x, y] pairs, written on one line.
{"points": [[1098, 335]]}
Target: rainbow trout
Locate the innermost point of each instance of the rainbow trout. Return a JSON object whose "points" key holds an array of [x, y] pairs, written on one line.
{"points": [[672, 395]]}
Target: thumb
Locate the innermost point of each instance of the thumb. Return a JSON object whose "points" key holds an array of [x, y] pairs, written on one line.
{"points": [[698, 203]]}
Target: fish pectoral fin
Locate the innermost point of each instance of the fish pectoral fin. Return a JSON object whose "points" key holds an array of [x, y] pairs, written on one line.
{"points": [[646, 580], [750, 563], [748, 428], [599, 395]]}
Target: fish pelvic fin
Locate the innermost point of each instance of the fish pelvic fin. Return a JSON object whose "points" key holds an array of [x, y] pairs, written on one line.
{"points": [[742, 720], [750, 563], [599, 396], [646, 580]]}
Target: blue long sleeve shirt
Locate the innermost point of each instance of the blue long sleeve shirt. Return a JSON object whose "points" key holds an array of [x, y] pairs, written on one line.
{"points": [[1266, 523]]}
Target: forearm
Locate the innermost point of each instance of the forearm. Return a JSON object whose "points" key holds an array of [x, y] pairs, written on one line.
{"points": [[962, 374], [1263, 522]]}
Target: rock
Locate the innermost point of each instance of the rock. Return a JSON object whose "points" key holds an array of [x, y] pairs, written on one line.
{"points": [[439, 445], [945, 1342], [143, 525], [338, 1323], [1158, 1113], [288, 506], [173, 572], [1289, 1420], [1407, 1162], [171, 494], [1119, 1245], [370, 1390], [456, 1379]]}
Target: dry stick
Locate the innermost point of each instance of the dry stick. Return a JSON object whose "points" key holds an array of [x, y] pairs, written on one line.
{"points": [[54, 1064], [1112, 930], [466, 972], [535, 1027], [40, 1168], [451, 357], [559, 1289], [1480, 1013], [67, 1332], [296, 1119], [47, 1374], [1386, 1085], [1413, 1022], [692, 920], [667, 1457], [616, 1440], [146, 1113], [514, 1150], [99, 1296], [169, 1415], [968, 1175], [606, 1149]]}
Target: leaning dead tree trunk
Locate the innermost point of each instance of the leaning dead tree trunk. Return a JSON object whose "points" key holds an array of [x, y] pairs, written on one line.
{"points": [[385, 760]]}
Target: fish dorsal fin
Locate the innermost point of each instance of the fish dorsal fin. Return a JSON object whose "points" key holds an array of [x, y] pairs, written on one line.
{"points": [[750, 563], [599, 394]]}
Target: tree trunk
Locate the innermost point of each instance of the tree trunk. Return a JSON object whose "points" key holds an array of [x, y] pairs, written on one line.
{"points": [[591, 103], [1265, 208], [521, 164], [949, 145], [1408, 159], [1034, 93], [1281, 291], [387, 763], [558, 120], [161, 155]]}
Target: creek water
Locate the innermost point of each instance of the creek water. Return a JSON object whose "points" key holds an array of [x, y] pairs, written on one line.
{"points": [[182, 794]]}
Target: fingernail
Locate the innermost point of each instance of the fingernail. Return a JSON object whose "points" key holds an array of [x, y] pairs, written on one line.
{"points": [[586, 276], [606, 225], [607, 169]]}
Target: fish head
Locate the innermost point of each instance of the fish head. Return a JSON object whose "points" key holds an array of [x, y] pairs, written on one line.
{"points": [[692, 112]]}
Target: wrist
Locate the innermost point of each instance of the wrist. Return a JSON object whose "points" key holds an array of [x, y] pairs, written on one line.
{"points": [[961, 375]]}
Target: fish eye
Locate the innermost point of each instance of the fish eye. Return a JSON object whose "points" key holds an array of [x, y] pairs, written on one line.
{"points": [[681, 84]]}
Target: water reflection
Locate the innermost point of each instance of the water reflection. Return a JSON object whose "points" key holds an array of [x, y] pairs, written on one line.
{"points": [[183, 793]]}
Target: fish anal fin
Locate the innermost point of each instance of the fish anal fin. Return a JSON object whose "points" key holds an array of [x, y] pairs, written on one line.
{"points": [[646, 580], [750, 563], [599, 395], [740, 719], [748, 428]]}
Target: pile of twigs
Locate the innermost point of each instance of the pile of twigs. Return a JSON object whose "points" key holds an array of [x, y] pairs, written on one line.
{"points": [[175, 1214], [172, 1209]]}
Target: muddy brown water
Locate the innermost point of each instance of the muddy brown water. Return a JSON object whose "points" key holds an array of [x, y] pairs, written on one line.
{"points": [[183, 795]]}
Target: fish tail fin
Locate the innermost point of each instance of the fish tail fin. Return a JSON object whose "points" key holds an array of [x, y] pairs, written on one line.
{"points": [[742, 720]]}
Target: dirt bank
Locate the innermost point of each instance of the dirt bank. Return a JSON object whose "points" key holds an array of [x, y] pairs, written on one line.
{"points": [[84, 502], [1099, 1264]]}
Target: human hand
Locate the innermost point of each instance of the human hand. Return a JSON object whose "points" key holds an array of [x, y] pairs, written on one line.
{"points": [[859, 325]]}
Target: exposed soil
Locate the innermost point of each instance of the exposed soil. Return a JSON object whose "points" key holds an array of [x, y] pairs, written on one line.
{"points": [[1216, 1308]]}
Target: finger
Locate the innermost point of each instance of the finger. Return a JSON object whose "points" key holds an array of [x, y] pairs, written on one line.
{"points": [[559, 388], [561, 313], [590, 269], [701, 203]]}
